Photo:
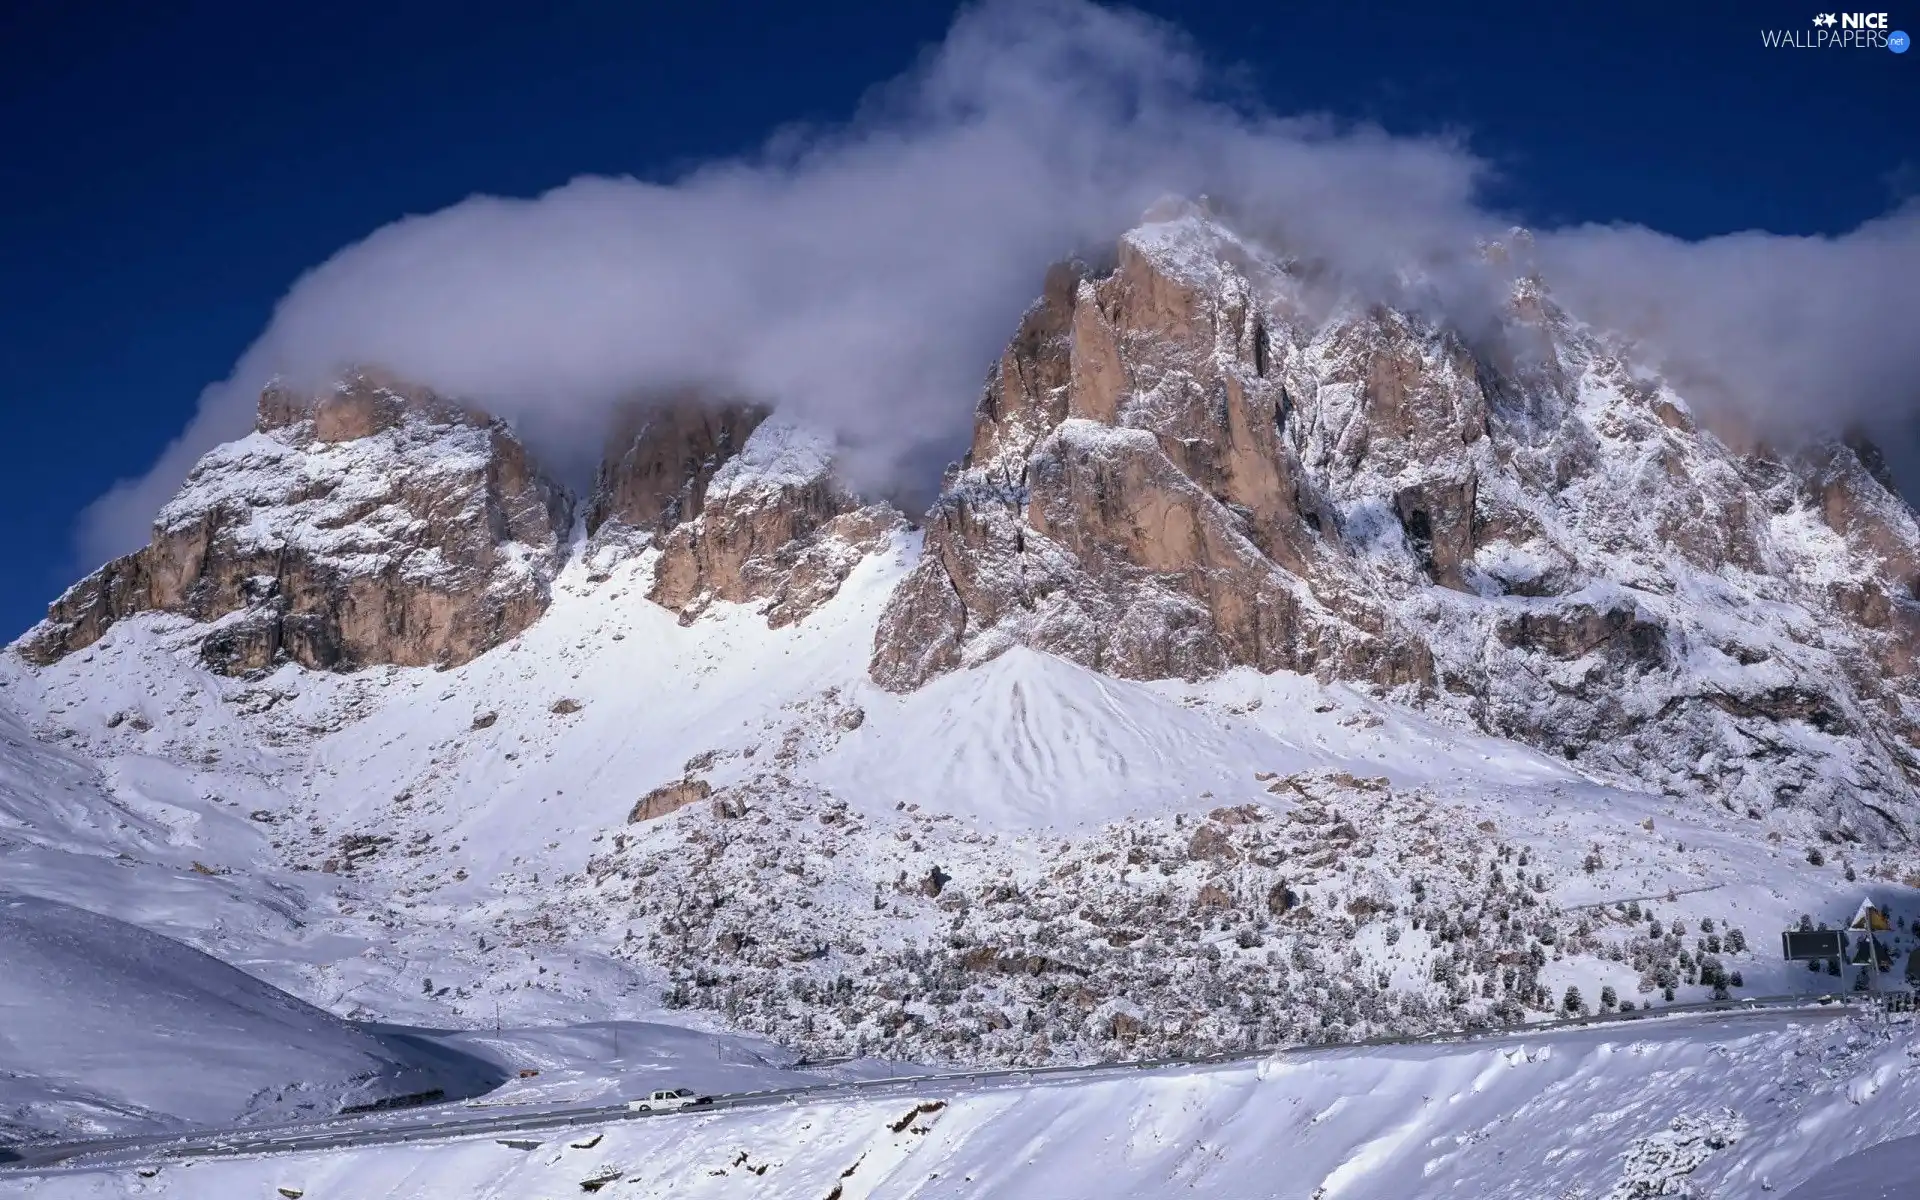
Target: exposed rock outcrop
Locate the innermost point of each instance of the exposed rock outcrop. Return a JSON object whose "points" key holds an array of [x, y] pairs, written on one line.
{"points": [[775, 527], [1201, 459], [1129, 501], [660, 458], [669, 798], [369, 523]]}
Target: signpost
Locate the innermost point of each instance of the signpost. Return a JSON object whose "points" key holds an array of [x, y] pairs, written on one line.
{"points": [[1814, 945], [1802, 945]]}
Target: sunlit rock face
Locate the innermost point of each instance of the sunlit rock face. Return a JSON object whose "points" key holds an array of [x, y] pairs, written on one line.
{"points": [[371, 522], [1201, 459]]}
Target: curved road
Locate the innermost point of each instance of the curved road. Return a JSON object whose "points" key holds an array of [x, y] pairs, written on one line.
{"points": [[449, 1121]]}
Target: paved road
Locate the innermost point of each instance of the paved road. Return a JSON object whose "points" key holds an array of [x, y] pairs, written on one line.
{"points": [[441, 1122]]}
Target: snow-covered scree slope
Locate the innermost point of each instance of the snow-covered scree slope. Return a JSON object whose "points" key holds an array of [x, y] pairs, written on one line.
{"points": [[1755, 1107], [109, 1028], [1025, 862]]}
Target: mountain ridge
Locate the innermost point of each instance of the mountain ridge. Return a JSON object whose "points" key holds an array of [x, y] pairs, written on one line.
{"points": [[1271, 670]]}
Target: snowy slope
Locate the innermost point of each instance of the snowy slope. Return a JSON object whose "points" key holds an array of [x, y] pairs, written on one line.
{"points": [[105, 1027], [1750, 1107], [454, 847]]}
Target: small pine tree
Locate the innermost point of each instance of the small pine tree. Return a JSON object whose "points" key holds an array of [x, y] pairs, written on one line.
{"points": [[1573, 1004], [1609, 999], [1667, 994]]}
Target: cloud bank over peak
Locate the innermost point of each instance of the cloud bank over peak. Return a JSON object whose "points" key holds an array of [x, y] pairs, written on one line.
{"points": [[865, 276]]}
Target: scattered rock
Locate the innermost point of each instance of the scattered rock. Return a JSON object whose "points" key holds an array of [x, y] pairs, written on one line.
{"points": [[1281, 899], [1211, 843], [668, 798]]}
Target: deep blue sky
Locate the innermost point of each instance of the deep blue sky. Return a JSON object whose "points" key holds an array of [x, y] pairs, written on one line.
{"points": [[167, 170]]}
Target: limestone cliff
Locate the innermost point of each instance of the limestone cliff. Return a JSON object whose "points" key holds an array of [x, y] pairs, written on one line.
{"points": [[661, 456], [369, 523], [1202, 459], [776, 528]]}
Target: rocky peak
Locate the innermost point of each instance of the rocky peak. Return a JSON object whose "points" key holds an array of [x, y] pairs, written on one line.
{"points": [[661, 457], [775, 526], [367, 522], [1129, 501], [1193, 461]]}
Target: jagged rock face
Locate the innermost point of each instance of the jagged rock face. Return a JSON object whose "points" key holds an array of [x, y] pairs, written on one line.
{"points": [[774, 527], [1129, 503], [371, 523], [1194, 462], [661, 458]]}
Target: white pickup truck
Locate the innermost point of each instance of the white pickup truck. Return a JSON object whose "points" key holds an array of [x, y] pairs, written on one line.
{"points": [[666, 1100]]}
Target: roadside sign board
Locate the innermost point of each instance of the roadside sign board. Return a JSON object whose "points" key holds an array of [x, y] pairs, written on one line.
{"points": [[1799, 945]]}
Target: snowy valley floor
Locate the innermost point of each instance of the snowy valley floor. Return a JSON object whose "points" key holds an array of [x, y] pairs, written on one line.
{"points": [[1761, 1104]]}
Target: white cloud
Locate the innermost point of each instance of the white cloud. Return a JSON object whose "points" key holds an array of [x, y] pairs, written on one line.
{"points": [[865, 276]]}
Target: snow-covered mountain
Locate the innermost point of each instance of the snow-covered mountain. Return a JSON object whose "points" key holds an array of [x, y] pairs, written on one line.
{"points": [[1277, 667], [1198, 459]]}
